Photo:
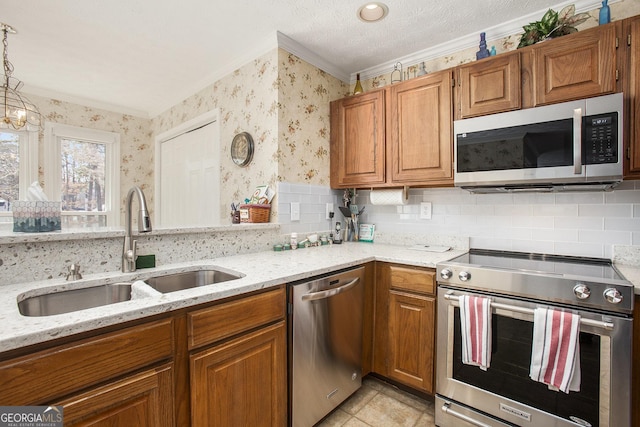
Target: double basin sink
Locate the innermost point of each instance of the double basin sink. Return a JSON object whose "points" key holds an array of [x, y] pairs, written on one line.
{"points": [[96, 296]]}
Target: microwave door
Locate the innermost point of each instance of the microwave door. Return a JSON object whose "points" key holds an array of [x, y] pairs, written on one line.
{"points": [[526, 153]]}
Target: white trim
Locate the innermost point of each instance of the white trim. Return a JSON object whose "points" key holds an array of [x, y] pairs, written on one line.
{"points": [[202, 120], [497, 32], [290, 45], [53, 133]]}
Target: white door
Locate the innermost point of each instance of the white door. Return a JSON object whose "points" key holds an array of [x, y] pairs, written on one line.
{"points": [[190, 178]]}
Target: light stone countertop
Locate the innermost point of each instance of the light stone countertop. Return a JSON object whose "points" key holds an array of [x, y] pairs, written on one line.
{"points": [[632, 274], [261, 270]]}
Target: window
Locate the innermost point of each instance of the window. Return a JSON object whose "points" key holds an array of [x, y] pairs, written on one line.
{"points": [[82, 170], [18, 168]]}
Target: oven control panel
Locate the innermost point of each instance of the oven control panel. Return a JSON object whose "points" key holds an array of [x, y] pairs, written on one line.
{"points": [[615, 297]]}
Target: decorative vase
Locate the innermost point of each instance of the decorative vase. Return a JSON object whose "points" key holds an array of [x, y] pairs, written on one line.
{"points": [[483, 52], [605, 13]]}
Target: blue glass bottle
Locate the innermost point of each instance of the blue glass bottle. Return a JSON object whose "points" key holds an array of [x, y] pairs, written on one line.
{"points": [[605, 13], [483, 52]]}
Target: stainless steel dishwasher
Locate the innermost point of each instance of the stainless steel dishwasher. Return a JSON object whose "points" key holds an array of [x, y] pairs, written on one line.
{"points": [[325, 347]]}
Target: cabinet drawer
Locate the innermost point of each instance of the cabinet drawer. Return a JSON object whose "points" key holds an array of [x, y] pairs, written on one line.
{"points": [[412, 279], [68, 368], [227, 319]]}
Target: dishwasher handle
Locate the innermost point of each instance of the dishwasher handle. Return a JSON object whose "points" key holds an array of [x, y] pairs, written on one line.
{"points": [[313, 296]]}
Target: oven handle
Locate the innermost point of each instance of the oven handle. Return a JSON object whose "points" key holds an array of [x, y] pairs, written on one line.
{"points": [[447, 410], [312, 296], [595, 323]]}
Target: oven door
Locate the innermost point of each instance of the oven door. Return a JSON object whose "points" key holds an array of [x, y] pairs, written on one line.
{"points": [[506, 393]]}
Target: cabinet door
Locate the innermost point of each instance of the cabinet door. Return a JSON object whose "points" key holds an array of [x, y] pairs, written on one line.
{"points": [[358, 140], [411, 339], [142, 400], [490, 86], [575, 66], [241, 382], [419, 130], [633, 117]]}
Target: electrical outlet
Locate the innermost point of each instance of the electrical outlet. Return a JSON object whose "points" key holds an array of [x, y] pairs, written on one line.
{"points": [[425, 210], [329, 210], [295, 211]]}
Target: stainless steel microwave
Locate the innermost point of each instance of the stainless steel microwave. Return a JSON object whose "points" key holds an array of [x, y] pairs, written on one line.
{"points": [[574, 145]]}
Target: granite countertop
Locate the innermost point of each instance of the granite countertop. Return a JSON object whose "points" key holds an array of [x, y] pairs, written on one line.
{"points": [[261, 270]]}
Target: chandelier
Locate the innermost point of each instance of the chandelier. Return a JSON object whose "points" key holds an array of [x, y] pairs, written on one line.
{"points": [[17, 111]]}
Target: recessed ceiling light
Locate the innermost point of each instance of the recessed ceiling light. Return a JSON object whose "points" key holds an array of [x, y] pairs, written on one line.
{"points": [[373, 12]]}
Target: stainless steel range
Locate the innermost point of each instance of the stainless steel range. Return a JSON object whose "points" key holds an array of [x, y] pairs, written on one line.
{"points": [[517, 283]]}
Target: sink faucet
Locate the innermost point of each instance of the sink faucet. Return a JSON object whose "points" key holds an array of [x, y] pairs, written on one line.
{"points": [[144, 225]]}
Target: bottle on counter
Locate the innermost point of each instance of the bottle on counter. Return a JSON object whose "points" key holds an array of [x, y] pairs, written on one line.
{"points": [[294, 240]]}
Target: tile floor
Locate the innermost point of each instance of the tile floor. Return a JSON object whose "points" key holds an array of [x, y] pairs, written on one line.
{"points": [[378, 404]]}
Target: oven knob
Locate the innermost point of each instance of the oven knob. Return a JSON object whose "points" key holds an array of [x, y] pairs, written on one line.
{"points": [[446, 273], [582, 291], [464, 276], [613, 296]]}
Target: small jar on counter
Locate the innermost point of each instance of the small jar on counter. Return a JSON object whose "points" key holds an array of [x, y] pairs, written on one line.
{"points": [[294, 240]]}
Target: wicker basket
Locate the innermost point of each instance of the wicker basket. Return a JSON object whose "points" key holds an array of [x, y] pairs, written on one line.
{"points": [[255, 213]]}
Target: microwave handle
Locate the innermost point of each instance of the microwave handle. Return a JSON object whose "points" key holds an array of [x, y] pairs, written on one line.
{"points": [[577, 141]]}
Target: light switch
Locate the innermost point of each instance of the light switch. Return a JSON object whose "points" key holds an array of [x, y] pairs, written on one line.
{"points": [[295, 211]]}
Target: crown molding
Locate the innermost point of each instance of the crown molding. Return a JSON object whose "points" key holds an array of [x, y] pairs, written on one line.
{"points": [[290, 45], [497, 32]]}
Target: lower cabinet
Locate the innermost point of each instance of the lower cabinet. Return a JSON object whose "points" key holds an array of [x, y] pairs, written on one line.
{"points": [[241, 382], [219, 364], [141, 400], [404, 324], [411, 339], [238, 362]]}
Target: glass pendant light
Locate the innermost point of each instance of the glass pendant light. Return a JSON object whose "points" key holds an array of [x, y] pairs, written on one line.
{"points": [[17, 111]]}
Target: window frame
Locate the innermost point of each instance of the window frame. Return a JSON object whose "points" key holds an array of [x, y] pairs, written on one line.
{"points": [[27, 163], [53, 134]]}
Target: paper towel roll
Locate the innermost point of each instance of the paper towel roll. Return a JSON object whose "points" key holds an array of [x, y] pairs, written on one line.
{"points": [[392, 196]]}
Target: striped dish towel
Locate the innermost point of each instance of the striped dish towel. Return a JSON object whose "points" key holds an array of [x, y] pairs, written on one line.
{"points": [[475, 322], [555, 354]]}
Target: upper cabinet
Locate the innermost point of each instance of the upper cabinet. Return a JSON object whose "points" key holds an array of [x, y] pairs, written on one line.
{"points": [[419, 118], [399, 135], [489, 86], [631, 41], [358, 140], [576, 66]]}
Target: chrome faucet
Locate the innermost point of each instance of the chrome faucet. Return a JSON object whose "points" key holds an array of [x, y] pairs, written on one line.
{"points": [[144, 225]]}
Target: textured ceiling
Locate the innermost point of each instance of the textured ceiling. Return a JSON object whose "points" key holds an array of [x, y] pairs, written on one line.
{"points": [[144, 56]]}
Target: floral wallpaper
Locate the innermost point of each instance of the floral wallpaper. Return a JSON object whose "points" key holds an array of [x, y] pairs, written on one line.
{"points": [[304, 96], [136, 148], [283, 102]]}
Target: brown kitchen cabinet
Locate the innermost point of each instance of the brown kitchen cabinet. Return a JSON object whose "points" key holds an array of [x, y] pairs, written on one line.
{"points": [[419, 135], [631, 42], [395, 136], [358, 140], [489, 86], [579, 65], [405, 325], [223, 361], [238, 363], [120, 378]]}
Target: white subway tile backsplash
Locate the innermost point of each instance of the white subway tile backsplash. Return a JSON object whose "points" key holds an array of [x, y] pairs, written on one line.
{"points": [[581, 224]]}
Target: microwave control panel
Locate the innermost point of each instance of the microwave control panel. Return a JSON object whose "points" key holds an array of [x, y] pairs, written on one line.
{"points": [[600, 138]]}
